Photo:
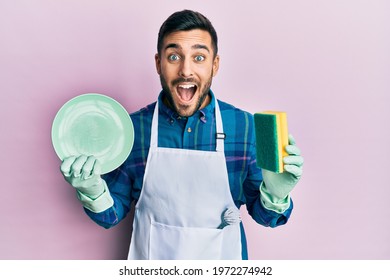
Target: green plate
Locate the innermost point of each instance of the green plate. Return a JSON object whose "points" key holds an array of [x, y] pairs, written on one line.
{"points": [[93, 124]]}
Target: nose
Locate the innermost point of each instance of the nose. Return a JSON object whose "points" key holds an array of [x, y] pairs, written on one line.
{"points": [[185, 70]]}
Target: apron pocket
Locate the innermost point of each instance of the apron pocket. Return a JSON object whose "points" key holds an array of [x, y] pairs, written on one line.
{"points": [[184, 243]]}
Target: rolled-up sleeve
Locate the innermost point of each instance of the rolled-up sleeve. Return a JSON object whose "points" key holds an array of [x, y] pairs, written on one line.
{"points": [[119, 185]]}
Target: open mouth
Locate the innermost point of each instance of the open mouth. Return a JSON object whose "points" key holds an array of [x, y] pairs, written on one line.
{"points": [[186, 92]]}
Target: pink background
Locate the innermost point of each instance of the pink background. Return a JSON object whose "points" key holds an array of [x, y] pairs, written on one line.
{"points": [[326, 63]]}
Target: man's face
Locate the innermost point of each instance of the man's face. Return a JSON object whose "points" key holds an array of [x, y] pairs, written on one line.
{"points": [[186, 68]]}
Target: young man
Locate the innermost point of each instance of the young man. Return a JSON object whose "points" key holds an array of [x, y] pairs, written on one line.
{"points": [[193, 162]]}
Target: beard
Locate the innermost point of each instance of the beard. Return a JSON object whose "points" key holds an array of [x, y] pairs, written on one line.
{"points": [[184, 111]]}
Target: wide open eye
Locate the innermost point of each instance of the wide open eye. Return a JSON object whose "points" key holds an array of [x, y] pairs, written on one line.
{"points": [[173, 57], [199, 58]]}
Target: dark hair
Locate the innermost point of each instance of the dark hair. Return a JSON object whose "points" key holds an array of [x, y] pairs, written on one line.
{"points": [[184, 21]]}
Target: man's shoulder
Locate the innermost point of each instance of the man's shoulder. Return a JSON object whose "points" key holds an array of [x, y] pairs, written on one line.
{"points": [[227, 108], [238, 124], [144, 111]]}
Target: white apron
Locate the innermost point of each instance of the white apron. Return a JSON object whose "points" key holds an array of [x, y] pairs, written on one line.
{"points": [[184, 195]]}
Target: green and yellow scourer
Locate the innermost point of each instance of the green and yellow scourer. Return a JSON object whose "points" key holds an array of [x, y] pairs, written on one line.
{"points": [[271, 139]]}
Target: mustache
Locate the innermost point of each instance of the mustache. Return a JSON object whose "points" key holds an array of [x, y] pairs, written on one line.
{"points": [[183, 80]]}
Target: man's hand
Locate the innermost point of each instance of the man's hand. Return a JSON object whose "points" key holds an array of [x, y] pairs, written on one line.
{"points": [[279, 185], [83, 173]]}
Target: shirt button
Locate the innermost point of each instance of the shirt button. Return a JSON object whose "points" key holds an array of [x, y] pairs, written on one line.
{"points": [[189, 130]]}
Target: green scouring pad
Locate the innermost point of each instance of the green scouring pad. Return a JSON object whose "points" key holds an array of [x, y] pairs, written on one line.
{"points": [[271, 139]]}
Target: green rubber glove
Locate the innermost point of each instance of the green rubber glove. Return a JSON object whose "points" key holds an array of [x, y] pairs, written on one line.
{"points": [[83, 173], [276, 187]]}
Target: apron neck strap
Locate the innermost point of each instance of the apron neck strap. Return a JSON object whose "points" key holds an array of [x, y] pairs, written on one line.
{"points": [[220, 141], [220, 136]]}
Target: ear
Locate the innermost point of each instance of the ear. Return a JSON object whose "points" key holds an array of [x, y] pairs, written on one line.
{"points": [[215, 65], [158, 63]]}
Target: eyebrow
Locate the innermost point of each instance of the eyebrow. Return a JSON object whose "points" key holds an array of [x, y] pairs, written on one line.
{"points": [[196, 46]]}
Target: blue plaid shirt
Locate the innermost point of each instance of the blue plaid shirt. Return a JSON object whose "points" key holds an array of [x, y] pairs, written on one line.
{"points": [[197, 133]]}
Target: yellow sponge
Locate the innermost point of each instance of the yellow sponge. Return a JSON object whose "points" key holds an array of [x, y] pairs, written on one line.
{"points": [[271, 139]]}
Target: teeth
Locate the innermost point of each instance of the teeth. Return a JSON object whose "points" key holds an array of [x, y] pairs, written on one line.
{"points": [[186, 86]]}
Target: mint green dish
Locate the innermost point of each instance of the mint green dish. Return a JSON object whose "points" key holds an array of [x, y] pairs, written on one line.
{"points": [[93, 124]]}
